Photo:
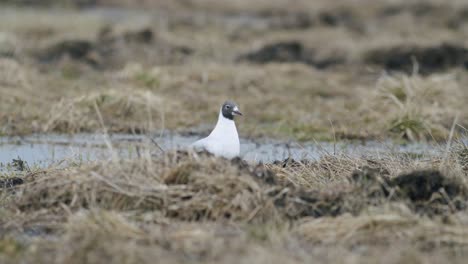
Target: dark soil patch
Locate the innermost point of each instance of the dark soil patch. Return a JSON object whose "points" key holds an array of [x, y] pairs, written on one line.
{"points": [[287, 52], [430, 192], [10, 182], [297, 203], [294, 202], [279, 52], [291, 163], [428, 59], [339, 17], [144, 36], [75, 49], [425, 192], [287, 20], [458, 20], [110, 51], [345, 198], [421, 185]]}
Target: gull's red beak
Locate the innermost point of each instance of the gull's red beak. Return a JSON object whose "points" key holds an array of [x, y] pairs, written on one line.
{"points": [[236, 111]]}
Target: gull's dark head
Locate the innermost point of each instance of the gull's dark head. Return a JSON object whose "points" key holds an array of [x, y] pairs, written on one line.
{"points": [[230, 109]]}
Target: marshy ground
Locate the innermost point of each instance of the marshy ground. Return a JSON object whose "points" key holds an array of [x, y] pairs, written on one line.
{"points": [[308, 72]]}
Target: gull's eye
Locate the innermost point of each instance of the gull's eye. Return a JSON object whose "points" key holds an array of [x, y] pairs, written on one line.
{"points": [[228, 106]]}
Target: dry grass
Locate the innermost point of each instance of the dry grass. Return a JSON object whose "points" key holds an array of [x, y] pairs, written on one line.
{"points": [[418, 107], [137, 100], [192, 207], [169, 85], [74, 71], [184, 190]]}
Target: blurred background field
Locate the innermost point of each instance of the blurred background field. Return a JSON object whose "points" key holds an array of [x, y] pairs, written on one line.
{"points": [[376, 92], [363, 69]]}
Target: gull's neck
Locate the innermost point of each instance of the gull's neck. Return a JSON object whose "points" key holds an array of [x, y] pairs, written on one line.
{"points": [[224, 127]]}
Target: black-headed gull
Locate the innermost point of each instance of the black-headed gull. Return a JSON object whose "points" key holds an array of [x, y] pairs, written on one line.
{"points": [[223, 141]]}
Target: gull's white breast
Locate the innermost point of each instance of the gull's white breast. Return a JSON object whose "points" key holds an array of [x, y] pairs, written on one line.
{"points": [[223, 141]]}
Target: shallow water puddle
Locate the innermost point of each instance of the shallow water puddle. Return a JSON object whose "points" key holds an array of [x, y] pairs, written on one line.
{"points": [[44, 150]]}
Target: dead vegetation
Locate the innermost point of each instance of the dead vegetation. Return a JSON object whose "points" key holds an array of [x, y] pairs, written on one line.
{"points": [[333, 105], [193, 206], [313, 70], [317, 69]]}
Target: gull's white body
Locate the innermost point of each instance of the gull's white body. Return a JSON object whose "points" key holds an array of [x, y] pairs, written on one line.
{"points": [[223, 141]]}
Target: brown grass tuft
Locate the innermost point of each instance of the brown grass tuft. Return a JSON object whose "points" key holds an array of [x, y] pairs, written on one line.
{"points": [[186, 190]]}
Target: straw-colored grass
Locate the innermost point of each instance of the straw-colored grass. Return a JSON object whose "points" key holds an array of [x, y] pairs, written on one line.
{"points": [[185, 190], [146, 86], [284, 101], [179, 207]]}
